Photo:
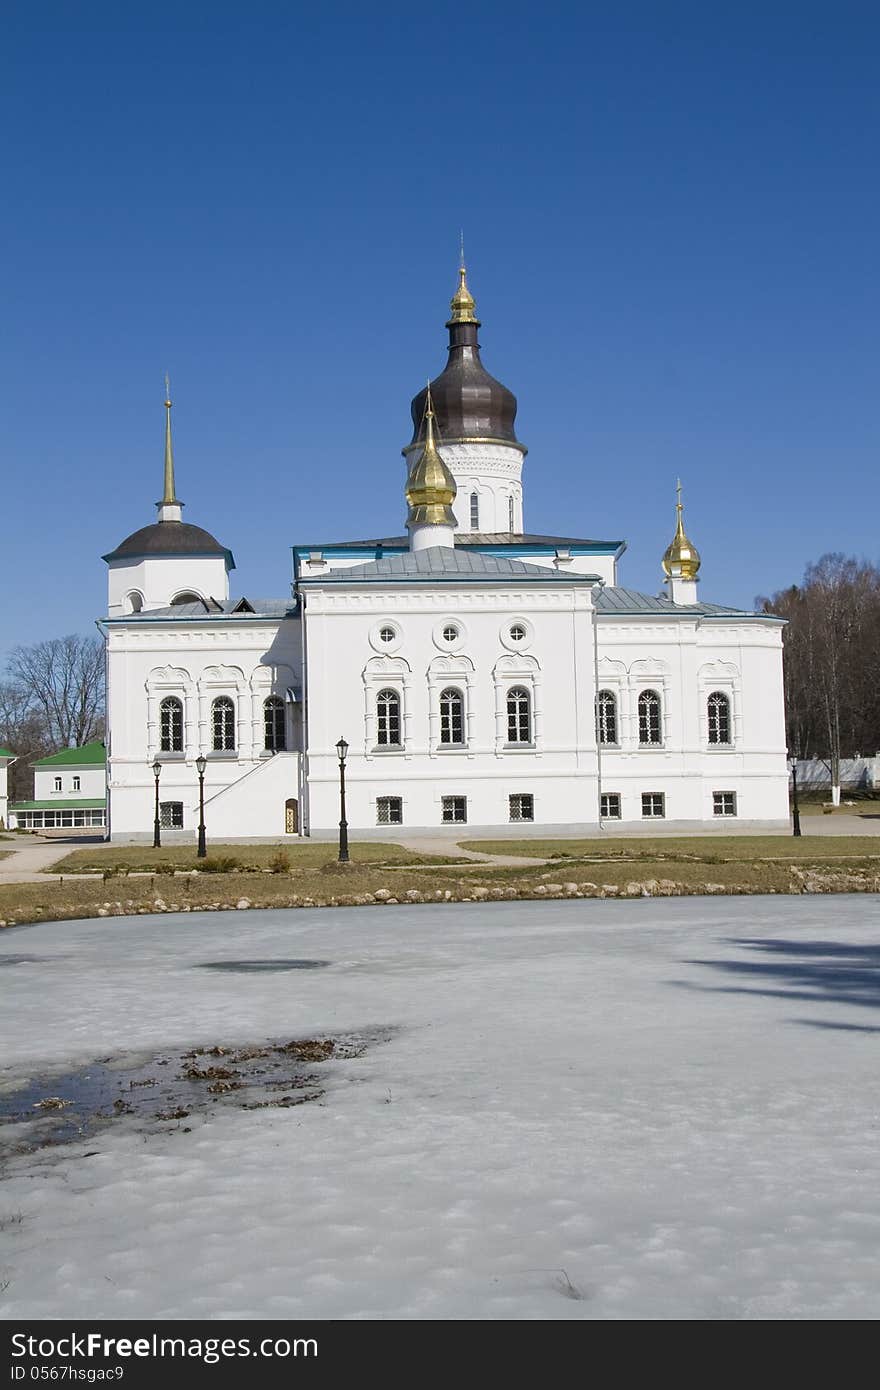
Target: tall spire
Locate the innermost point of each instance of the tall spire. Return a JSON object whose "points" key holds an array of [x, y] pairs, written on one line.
{"points": [[169, 507], [682, 559], [430, 492]]}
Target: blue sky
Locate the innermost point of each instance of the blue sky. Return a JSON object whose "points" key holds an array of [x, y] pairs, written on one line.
{"points": [[671, 223]]}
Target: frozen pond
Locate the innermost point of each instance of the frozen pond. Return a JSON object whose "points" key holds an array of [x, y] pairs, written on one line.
{"points": [[591, 1109]]}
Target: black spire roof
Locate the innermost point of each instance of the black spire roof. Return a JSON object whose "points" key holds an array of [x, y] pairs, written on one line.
{"points": [[468, 402]]}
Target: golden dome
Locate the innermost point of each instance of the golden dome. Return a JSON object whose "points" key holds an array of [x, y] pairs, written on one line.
{"points": [[430, 487], [463, 304], [682, 559]]}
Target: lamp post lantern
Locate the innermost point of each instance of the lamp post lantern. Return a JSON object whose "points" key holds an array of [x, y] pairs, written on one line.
{"points": [[342, 750], [157, 837], [201, 764], [795, 809]]}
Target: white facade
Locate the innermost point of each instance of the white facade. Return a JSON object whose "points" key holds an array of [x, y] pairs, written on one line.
{"points": [[5, 760], [464, 669]]}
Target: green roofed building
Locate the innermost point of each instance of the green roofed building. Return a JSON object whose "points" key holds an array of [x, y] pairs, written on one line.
{"points": [[70, 792]]}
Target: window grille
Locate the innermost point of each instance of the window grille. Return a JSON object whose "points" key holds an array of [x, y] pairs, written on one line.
{"points": [[606, 717], [649, 718], [522, 806], [653, 805], [451, 718], [389, 810], [222, 725], [609, 808], [718, 709], [171, 725], [171, 815], [519, 716], [454, 810], [274, 725], [388, 719], [724, 803]]}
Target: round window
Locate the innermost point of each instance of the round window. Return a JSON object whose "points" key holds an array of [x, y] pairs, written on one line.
{"points": [[450, 633], [517, 633], [387, 634]]}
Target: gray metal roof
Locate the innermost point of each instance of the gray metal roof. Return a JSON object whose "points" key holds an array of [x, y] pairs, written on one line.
{"points": [[469, 539], [216, 609], [169, 538], [616, 601], [440, 562]]}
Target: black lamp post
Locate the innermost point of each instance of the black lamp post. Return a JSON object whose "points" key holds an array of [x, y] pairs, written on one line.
{"points": [[795, 809], [342, 749], [157, 838], [201, 764]]}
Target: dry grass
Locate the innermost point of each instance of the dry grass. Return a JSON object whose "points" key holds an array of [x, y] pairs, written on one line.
{"points": [[716, 849], [303, 855], [648, 873]]}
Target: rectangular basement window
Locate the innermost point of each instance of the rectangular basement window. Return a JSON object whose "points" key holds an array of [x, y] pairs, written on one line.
{"points": [[609, 806], [724, 803], [522, 806], [389, 810], [454, 810], [171, 815], [653, 805]]}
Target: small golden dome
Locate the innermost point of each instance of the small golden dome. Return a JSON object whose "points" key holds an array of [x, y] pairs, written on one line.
{"points": [[430, 487], [682, 559], [463, 304]]}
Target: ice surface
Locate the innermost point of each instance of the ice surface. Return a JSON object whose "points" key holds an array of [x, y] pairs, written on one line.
{"points": [[645, 1109]]}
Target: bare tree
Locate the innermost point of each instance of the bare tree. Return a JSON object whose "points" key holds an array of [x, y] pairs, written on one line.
{"points": [[831, 658], [62, 680]]}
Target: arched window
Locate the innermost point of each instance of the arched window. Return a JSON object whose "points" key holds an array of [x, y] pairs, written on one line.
{"points": [[134, 602], [718, 708], [186, 597], [475, 511], [606, 717], [649, 718], [388, 719], [274, 724], [519, 715], [510, 517], [171, 725], [223, 725], [451, 717]]}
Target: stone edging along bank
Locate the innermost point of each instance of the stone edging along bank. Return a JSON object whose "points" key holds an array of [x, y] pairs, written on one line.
{"points": [[800, 881]]}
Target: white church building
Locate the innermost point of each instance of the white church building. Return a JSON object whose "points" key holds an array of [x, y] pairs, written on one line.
{"points": [[480, 675]]}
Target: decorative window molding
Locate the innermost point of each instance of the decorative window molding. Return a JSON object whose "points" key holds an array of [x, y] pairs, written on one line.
{"points": [[521, 671], [516, 643], [721, 678], [450, 636], [393, 675], [385, 637], [450, 672], [162, 683]]}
